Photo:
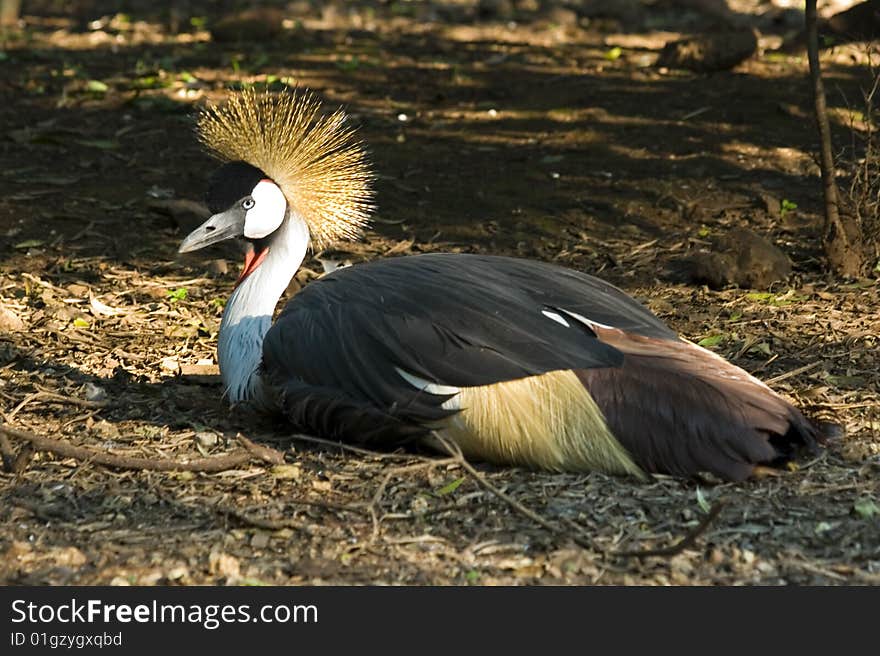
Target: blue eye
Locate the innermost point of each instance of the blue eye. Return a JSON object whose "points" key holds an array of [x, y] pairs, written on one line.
{"points": [[248, 203]]}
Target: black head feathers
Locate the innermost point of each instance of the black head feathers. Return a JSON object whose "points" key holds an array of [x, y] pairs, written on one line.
{"points": [[229, 183]]}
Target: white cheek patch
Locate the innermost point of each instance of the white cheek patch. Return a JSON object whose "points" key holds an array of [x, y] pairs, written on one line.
{"points": [[268, 210]]}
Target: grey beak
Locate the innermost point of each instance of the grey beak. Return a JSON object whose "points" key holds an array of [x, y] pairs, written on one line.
{"points": [[224, 225]]}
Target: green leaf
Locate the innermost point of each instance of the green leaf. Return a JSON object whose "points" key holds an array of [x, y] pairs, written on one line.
{"points": [[450, 488], [29, 243], [701, 501], [175, 295], [80, 323], [712, 340], [866, 508], [761, 347], [253, 582], [613, 54], [3, 56], [96, 86], [786, 206]]}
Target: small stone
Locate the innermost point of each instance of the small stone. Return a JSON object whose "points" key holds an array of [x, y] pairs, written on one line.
{"points": [[714, 51], [94, 392], [260, 540]]}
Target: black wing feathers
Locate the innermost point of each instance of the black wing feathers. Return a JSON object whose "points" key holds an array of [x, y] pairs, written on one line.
{"points": [[459, 320]]}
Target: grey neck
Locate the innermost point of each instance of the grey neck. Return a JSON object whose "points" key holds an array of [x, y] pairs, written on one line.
{"points": [[248, 314]]}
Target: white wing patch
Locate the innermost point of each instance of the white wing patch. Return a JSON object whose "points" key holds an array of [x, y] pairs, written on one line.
{"points": [[589, 323], [426, 385], [555, 317], [268, 211]]}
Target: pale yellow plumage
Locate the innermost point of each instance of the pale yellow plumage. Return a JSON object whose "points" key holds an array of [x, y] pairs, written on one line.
{"points": [[547, 421], [315, 159]]}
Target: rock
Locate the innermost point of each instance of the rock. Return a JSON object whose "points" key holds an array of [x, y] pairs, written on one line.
{"points": [[251, 25], [713, 51], [260, 540], [740, 257]]}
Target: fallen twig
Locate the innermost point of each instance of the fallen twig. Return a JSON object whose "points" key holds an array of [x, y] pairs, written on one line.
{"points": [[793, 372], [54, 398], [686, 542], [67, 450], [396, 471], [355, 449], [458, 457], [261, 452]]}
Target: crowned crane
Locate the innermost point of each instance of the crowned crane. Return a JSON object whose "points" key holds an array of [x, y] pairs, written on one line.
{"points": [[515, 361]]}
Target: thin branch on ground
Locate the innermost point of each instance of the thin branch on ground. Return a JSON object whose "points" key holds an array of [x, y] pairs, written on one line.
{"points": [[397, 471], [458, 456], [67, 450], [793, 372], [685, 543], [261, 452], [379, 455], [53, 398]]}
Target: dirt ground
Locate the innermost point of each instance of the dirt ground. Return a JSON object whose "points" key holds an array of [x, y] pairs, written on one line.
{"points": [[509, 130]]}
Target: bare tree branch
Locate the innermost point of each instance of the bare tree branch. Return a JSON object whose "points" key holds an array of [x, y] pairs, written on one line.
{"points": [[841, 235]]}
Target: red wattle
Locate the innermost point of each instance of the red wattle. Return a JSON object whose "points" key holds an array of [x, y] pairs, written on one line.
{"points": [[252, 260]]}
